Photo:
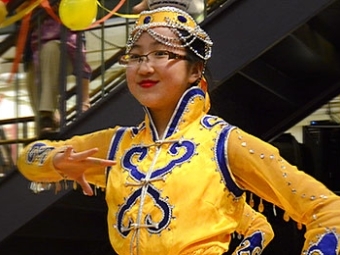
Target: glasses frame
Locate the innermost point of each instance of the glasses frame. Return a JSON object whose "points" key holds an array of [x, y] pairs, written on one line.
{"points": [[138, 59]]}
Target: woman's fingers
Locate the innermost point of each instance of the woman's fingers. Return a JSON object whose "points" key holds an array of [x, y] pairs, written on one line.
{"points": [[74, 164], [87, 190], [99, 161], [79, 156], [68, 151], [84, 157]]}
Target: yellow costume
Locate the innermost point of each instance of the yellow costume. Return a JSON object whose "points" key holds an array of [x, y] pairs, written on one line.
{"points": [[183, 193]]}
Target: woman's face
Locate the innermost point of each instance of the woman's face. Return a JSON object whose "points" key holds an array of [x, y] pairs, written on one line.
{"points": [[159, 87]]}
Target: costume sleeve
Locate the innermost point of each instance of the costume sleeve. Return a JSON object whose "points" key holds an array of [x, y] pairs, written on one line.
{"points": [[258, 167], [35, 161], [256, 232]]}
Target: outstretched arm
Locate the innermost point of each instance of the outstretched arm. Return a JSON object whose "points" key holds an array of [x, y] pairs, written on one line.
{"points": [[258, 167], [81, 158]]}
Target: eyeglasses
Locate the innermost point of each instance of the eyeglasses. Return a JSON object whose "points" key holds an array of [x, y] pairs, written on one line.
{"points": [[157, 57]]}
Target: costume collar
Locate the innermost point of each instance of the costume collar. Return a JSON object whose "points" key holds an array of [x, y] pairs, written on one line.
{"points": [[190, 107]]}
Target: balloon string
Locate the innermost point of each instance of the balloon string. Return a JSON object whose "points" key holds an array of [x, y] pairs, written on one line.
{"points": [[46, 5], [128, 16], [12, 19], [112, 12]]}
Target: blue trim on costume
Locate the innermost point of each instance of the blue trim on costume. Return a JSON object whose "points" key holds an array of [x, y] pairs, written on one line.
{"points": [[209, 121], [178, 113], [251, 245], [113, 148], [222, 161], [327, 245], [180, 110]]}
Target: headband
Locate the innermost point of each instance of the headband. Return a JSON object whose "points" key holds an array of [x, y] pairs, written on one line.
{"points": [[176, 20]]}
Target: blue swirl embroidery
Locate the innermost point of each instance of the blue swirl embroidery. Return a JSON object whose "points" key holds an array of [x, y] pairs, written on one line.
{"points": [[326, 245], [151, 226], [38, 153], [141, 152], [252, 245], [164, 206], [182, 151]]}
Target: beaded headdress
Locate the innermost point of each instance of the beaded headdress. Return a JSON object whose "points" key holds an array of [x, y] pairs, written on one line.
{"points": [[178, 21]]}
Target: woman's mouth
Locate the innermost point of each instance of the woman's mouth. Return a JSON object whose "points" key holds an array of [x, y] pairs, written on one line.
{"points": [[147, 83]]}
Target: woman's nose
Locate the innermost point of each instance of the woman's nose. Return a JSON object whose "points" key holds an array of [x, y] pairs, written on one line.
{"points": [[145, 66]]}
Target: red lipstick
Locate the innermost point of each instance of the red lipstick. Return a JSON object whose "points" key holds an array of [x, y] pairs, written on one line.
{"points": [[147, 83]]}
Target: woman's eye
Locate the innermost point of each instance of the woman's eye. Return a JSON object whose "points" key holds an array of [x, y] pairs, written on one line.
{"points": [[134, 57], [161, 53]]}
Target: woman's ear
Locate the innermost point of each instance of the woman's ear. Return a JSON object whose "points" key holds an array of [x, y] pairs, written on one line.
{"points": [[196, 71]]}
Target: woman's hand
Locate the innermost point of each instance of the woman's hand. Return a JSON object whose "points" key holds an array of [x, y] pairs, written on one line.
{"points": [[73, 165]]}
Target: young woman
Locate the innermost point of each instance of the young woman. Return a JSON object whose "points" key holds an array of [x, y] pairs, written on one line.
{"points": [[175, 184]]}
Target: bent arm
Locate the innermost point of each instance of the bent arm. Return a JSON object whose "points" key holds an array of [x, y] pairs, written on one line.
{"points": [[256, 230]]}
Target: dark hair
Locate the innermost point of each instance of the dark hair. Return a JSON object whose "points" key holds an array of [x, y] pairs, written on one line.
{"points": [[197, 45]]}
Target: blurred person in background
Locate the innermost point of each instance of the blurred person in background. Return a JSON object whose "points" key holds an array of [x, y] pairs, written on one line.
{"points": [[8, 131], [42, 58]]}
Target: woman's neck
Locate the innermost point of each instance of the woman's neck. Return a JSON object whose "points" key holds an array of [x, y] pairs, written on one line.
{"points": [[161, 120]]}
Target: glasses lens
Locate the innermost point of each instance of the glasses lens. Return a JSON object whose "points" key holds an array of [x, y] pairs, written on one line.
{"points": [[124, 60], [158, 57], [129, 59]]}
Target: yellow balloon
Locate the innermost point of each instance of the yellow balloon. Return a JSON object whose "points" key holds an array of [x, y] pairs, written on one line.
{"points": [[78, 14]]}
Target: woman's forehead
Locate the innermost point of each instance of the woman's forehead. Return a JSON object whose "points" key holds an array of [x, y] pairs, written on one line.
{"points": [[165, 30]]}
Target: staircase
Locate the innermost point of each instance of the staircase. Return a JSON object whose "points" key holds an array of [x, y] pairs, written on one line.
{"points": [[274, 63]]}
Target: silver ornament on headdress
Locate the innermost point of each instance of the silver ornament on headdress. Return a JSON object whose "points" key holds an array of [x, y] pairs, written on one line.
{"points": [[180, 4], [175, 19]]}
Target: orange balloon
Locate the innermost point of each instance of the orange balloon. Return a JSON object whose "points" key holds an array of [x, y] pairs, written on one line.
{"points": [[78, 14]]}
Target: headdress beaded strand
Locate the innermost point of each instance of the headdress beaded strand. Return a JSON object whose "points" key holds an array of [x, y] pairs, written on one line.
{"points": [[177, 20]]}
